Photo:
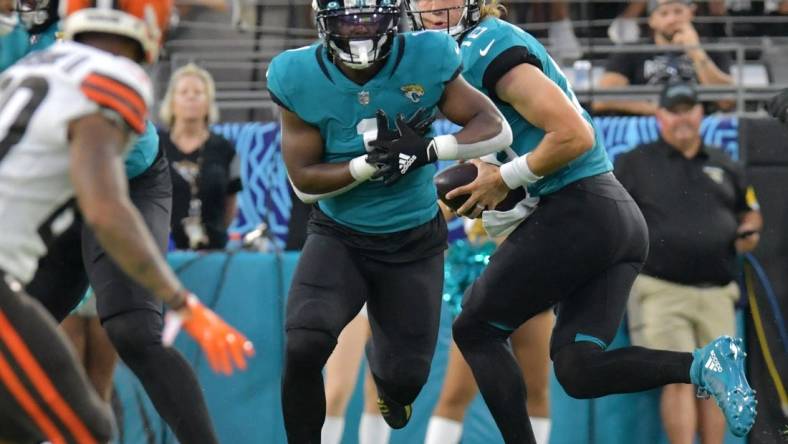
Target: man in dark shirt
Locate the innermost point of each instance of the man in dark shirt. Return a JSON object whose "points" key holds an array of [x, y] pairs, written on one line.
{"points": [[671, 23], [778, 106], [700, 213]]}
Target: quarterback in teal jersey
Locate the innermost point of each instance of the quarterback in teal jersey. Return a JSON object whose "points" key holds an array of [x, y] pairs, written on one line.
{"points": [[376, 234], [579, 248], [131, 316]]}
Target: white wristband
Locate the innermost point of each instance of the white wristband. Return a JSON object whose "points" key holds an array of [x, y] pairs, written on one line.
{"points": [[446, 147], [360, 169], [368, 137], [517, 173]]}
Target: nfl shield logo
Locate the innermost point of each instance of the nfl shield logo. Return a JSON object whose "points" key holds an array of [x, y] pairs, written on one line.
{"points": [[363, 97]]}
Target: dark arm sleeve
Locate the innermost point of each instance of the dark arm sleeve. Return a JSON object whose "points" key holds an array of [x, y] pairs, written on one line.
{"points": [[503, 63]]}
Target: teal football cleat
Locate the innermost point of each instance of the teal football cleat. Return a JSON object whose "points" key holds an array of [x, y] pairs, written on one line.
{"points": [[718, 371]]}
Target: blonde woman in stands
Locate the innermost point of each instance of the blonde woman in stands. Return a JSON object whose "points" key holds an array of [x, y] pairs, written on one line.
{"points": [[203, 166]]}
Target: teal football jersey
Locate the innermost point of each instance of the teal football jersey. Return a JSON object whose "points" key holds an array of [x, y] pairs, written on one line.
{"points": [[45, 38], [13, 46], [414, 76], [490, 40], [142, 155]]}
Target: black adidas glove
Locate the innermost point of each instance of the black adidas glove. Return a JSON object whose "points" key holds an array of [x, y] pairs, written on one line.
{"points": [[410, 150], [778, 106], [384, 131], [420, 121]]}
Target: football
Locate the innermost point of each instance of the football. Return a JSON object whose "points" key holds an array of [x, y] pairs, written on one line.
{"points": [[463, 174]]}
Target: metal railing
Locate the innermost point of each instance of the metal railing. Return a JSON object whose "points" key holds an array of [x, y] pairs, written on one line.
{"points": [[247, 52], [739, 90]]}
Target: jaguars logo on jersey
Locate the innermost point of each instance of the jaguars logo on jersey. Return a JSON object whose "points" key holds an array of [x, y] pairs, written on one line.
{"points": [[414, 92]]}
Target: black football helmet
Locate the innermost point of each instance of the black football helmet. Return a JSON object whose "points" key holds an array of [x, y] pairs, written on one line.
{"points": [[37, 15], [357, 32]]}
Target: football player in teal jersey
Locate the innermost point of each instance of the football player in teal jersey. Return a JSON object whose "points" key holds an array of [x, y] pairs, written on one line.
{"points": [[376, 234], [41, 20], [13, 38], [130, 315], [580, 248]]}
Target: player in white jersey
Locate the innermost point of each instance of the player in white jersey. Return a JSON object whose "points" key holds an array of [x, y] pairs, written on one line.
{"points": [[66, 116], [43, 94]]}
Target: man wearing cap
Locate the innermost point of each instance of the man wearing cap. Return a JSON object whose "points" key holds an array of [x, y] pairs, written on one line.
{"points": [[700, 213], [671, 23]]}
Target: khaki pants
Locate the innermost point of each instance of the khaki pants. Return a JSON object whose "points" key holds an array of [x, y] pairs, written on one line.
{"points": [[668, 316]]}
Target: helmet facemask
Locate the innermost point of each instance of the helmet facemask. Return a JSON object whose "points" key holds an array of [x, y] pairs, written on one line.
{"points": [[37, 15], [358, 37], [468, 17]]}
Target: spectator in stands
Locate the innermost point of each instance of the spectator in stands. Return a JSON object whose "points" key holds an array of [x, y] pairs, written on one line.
{"points": [[671, 23], [700, 213], [749, 8], [625, 27], [205, 170], [778, 106], [561, 33], [216, 5], [607, 10]]}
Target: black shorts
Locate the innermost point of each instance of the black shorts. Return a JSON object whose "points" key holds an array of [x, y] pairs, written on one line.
{"points": [[419, 242], [334, 278], [62, 276], [42, 386], [579, 251], [60, 281]]}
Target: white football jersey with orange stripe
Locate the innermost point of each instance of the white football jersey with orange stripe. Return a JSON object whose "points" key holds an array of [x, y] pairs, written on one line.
{"points": [[39, 97]]}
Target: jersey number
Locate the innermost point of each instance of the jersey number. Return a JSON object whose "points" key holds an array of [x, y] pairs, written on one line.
{"points": [[477, 31], [17, 109], [364, 126]]}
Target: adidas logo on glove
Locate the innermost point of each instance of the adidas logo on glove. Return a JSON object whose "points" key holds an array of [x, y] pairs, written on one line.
{"points": [[405, 162]]}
